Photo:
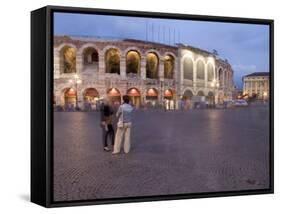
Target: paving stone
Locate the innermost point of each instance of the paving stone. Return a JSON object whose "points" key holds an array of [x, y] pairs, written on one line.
{"points": [[172, 152]]}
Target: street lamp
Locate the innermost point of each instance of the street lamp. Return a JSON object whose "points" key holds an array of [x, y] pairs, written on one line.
{"points": [[76, 80]]}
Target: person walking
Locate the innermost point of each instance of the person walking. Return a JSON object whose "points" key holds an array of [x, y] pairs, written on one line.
{"points": [[106, 122], [124, 115]]}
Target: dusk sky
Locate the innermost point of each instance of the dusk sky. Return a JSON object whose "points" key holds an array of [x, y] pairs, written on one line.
{"points": [[245, 46]]}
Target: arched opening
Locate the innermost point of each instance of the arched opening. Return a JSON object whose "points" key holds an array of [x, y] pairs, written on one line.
{"points": [[169, 65], [135, 97], [70, 98], [152, 64], [68, 60], [187, 95], [210, 71], [168, 97], [186, 99], [91, 97], [168, 94], [225, 78], [220, 98], [90, 59], [220, 77], [187, 68], [151, 97], [114, 96], [200, 70], [133, 60], [210, 99], [112, 61], [200, 93]]}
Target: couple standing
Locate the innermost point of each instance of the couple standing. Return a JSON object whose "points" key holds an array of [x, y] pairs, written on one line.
{"points": [[124, 116]]}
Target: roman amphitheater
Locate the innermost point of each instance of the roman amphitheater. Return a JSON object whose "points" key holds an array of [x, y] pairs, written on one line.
{"points": [[88, 70]]}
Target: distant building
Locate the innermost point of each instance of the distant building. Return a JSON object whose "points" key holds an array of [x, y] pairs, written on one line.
{"points": [[150, 73], [256, 85]]}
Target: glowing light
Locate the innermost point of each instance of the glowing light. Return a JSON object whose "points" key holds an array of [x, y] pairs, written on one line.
{"points": [[151, 92], [70, 93], [168, 93], [133, 92], [113, 92]]}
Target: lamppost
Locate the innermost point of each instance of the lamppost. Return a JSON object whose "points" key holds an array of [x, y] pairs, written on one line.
{"points": [[76, 80], [215, 85]]}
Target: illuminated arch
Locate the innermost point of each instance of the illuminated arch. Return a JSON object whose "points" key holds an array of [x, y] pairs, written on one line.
{"points": [[90, 94], [210, 72], [187, 95], [133, 62], [135, 96], [69, 96], [188, 68], [169, 66], [114, 96], [112, 61], [90, 56], [200, 68], [152, 93], [68, 59], [152, 65], [168, 94], [220, 76]]}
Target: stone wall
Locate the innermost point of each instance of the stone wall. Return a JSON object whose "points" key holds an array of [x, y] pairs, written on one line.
{"points": [[97, 78]]}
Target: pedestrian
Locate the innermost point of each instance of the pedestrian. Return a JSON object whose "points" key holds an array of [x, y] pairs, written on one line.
{"points": [[106, 123], [124, 115]]}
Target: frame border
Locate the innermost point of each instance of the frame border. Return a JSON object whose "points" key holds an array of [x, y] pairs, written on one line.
{"points": [[50, 10]]}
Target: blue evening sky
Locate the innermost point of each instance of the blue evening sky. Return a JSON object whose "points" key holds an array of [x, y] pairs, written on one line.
{"points": [[246, 46]]}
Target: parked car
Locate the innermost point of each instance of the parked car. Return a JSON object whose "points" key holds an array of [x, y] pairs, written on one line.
{"points": [[239, 103]]}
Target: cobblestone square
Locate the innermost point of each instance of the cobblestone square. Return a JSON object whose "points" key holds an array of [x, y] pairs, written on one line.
{"points": [[172, 152]]}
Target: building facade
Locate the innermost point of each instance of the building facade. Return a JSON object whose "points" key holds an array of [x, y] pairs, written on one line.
{"points": [[256, 85], [87, 70]]}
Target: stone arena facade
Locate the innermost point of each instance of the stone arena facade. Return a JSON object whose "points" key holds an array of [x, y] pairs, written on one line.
{"points": [[87, 70]]}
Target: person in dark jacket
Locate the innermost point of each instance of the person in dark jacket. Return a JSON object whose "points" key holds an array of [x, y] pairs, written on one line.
{"points": [[106, 122]]}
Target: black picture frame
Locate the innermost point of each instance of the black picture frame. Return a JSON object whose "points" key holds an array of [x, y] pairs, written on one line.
{"points": [[42, 110]]}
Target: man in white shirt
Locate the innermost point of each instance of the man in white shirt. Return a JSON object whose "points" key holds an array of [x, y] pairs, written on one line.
{"points": [[124, 124]]}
